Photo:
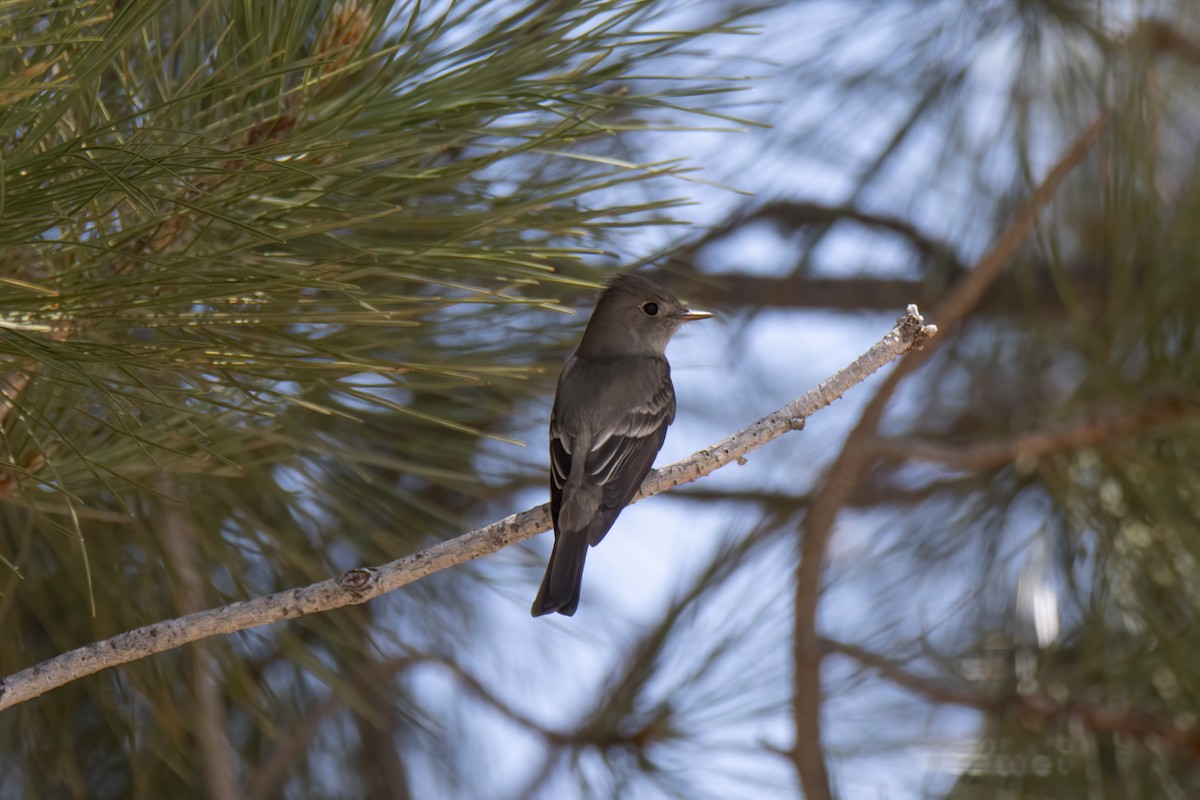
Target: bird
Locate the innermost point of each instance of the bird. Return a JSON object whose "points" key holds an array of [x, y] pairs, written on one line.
{"points": [[612, 407]]}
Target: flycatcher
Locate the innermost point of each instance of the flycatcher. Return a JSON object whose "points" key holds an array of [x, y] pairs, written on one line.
{"points": [[611, 412]]}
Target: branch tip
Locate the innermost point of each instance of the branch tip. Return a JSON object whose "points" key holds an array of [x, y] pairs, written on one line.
{"points": [[913, 328]]}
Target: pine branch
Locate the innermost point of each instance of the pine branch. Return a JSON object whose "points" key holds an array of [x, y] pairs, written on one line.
{"points": [[362, 584], [230, 211], [854, 461]]}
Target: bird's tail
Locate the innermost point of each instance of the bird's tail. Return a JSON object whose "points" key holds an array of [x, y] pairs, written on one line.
{"points": [[564, 575]]}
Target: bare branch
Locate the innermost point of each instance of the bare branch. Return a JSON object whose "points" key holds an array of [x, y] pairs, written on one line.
{"points": [[1035, 707], [1089, 432], [733, 289], [1161, 37], [362, 584], [216, 754], [799, 214], [854, 461]]}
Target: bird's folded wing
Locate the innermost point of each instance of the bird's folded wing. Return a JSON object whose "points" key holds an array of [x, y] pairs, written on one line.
{"points": [[618, 463]]}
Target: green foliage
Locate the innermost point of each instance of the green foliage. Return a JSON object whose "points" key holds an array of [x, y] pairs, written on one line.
{"points": [[267, 272], [214, 213]]}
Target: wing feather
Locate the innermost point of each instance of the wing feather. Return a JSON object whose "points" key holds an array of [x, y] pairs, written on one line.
{"points": [[619, 454], [620, 462]]}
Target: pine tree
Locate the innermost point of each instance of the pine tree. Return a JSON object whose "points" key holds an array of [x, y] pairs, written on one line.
{"points": [[269, 275]]}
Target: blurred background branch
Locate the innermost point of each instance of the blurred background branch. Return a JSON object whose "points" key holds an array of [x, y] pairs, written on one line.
{"points": [[299, 277], [854, 460]]}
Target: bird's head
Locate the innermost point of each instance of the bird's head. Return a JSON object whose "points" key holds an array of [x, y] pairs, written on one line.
{"points": [[634, 316]]}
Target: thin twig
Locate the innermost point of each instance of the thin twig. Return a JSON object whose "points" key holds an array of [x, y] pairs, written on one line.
{"points": [[854, 460], [931, 689], [362, 584]]}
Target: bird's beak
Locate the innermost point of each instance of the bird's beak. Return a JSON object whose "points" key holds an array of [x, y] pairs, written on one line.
{"points": [[691, 315]]}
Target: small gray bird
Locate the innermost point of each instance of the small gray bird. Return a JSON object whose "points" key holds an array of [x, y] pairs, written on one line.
{"points": [[611, 412]]}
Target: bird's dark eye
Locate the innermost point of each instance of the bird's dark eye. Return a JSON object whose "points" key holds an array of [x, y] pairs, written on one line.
{"points": [[651, 309]]}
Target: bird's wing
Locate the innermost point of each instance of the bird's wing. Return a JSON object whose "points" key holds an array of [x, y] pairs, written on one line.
{"points": [[560, 468], [615, 421], [619, 462]]}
